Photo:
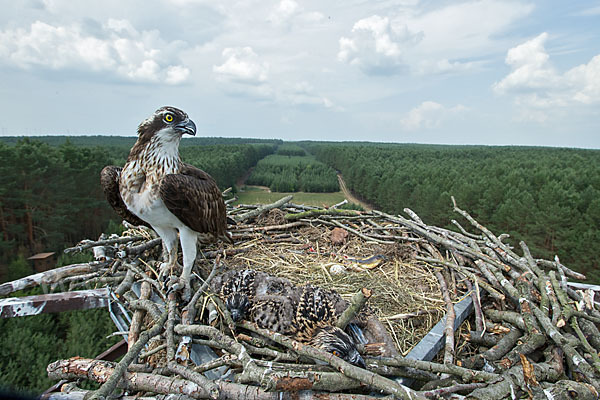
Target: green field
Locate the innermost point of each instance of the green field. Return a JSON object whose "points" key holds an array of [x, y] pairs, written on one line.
{"points": [[311, 199]]}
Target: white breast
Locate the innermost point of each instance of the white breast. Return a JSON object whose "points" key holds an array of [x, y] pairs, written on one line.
{"points": [[141, 179], [141, 195]]}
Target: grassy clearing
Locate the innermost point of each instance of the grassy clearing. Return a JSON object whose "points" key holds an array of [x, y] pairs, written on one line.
{"points": [[313, 199]]}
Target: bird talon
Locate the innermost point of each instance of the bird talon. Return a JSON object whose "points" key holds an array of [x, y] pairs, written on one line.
{"points": [[176, 284]]}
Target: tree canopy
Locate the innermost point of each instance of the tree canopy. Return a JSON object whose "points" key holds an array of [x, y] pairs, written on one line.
{"points": [[549, 197]]}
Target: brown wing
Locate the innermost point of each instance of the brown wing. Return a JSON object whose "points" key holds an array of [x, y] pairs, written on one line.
{"points": [[315, 310], [109, 179], [194, 198], [243, 281], [275, 313]]}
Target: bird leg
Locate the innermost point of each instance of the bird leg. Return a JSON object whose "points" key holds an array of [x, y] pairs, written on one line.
{"points": [[188, 239], [170, 266]]}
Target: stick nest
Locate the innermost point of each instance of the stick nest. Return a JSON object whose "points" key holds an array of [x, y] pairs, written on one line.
{"points": [[406, 296], [531, 333]]}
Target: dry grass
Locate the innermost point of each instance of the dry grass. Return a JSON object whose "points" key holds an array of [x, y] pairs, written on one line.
{"points": [[406, 295]]}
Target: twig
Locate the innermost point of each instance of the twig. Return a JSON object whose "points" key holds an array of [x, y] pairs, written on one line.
{"points": [[567, 271], [438, 393], [569, 350], [356, 304], [354, 231], [196, 377], [262, 209], [464, 232], [188, 313], [86, 244], [450, 316], [314, 213], [496, 352], [466, 374], [48, 277], [369, 378], [138, 316], [272, 227], [153, 351], [216, 363], [479, 319], [146, 278], [111, 383], [139, 249], [413, 215], [172, 312], [489, 288]]}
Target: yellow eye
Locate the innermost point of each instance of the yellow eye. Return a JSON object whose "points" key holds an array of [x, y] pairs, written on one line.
{"points": [[169, 118]]}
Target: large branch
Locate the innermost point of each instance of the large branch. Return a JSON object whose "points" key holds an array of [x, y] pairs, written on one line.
{"points": [[168, 388], [267, 378], [369, 378], [314, 213], [119, 370], [450, 316], [86, 244], [48, 277], [262, 209]]}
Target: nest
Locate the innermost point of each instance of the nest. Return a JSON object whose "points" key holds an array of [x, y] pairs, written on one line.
{"points": [[531, 334], [406, 296]]}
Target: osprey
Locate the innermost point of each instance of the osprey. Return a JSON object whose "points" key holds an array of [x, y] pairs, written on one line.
{"points": [[155, 188], [308, 313]]}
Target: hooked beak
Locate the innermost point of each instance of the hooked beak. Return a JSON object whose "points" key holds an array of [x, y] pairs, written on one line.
{"points": [[188, 126], [357, 360], [236, 315]]}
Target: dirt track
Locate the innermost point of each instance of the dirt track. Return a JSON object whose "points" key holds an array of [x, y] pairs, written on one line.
{"points": [[350, 196]]}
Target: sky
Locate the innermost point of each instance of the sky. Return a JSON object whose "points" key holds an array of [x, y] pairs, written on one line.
{"points": [[449, 72]]}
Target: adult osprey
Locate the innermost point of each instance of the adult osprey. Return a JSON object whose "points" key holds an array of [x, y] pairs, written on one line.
{"points": [[156, 188]]}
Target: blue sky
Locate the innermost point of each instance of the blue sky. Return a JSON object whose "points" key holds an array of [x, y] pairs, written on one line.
{"points": [[457, 72]]}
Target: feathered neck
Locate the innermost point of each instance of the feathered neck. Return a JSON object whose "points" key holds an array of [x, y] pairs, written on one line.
{"points": [[156, 156], [163, 148]]}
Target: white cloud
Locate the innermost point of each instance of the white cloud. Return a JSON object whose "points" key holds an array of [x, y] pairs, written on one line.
{"points": [[443, 66], [376, 47], [530, 68], [177, 74], [283, 11], [242, 65], [428, 115], [454, 38], [466, 28], [244, 73], [539, 87], [585, 81], [121, 51], [288, 13], [304, 94]]}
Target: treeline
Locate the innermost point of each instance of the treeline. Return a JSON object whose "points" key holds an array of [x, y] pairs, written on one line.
{"points": [[284, 173], [128, 141], [288, 149], [226, 163], [548, 197]]}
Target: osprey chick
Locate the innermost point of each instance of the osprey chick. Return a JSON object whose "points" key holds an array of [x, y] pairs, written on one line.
{"points": [[308, 313], [155, 187]]}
